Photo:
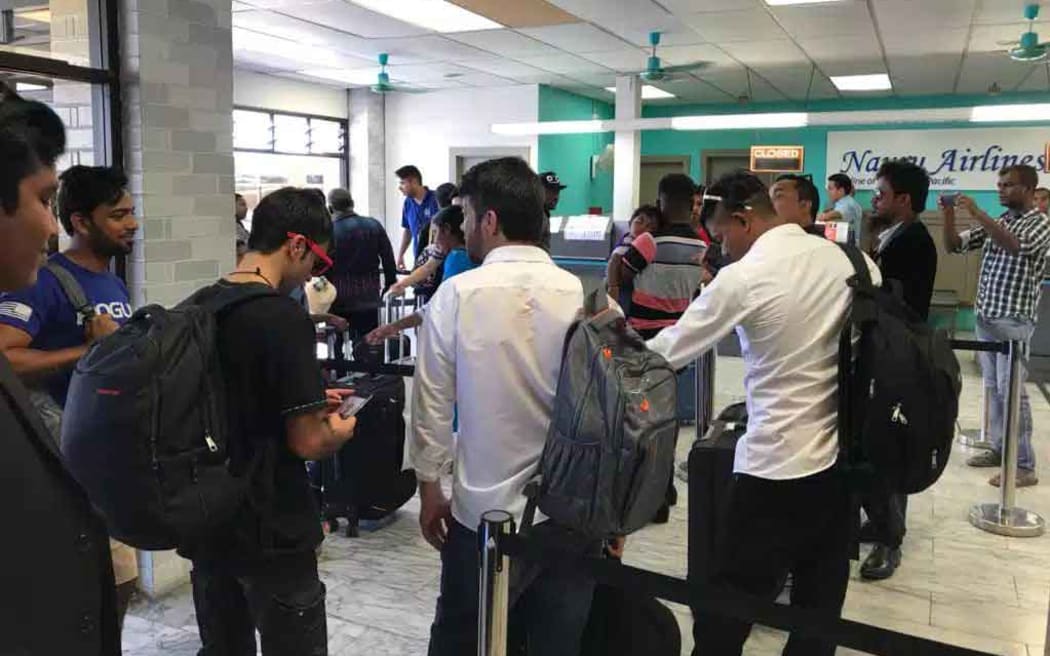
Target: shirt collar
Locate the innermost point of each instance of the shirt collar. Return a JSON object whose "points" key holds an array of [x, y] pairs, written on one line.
{"points": [[770, 237], [887, 235], [1010, 214], [517, 253]]}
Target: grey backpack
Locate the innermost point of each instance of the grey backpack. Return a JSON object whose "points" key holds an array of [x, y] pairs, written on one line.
{"points": [[611, 444]]}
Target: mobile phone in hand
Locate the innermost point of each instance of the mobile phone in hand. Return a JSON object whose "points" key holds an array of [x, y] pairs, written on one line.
{"points": [[949, 200], [352, 405]]}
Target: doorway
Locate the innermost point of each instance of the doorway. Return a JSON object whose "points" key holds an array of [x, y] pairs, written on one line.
{"points": [[716, 163], [462, 159], [655, 167]]}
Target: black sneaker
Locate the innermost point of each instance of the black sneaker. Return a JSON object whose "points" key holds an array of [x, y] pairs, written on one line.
{"points": [[881, 563]]}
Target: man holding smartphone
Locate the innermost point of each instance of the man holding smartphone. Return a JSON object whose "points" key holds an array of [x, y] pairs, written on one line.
{"points": [[1012, 265]]}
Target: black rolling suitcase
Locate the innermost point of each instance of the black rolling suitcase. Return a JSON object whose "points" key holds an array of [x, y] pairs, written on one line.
{"points": [[710, 474], [624, 624], [364, 480]]}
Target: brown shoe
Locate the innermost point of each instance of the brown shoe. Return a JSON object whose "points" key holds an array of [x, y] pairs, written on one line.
{"points": [[985, 459], [1025, 478]]}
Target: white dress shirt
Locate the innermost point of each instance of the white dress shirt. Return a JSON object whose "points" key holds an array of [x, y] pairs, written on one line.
{"points": [[788, 300], [491, 341]]}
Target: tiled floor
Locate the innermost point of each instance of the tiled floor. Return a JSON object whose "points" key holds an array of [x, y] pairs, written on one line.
{"points": [[957, 584]]}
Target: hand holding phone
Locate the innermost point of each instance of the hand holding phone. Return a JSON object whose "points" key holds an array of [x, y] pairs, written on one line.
{"points": [[949, 200], [352, 405]]}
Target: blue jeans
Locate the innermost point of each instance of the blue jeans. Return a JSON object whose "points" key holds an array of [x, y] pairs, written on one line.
{"points": [[549, 615], [995, 368]]}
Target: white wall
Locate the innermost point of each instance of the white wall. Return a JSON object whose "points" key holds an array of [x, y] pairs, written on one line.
{"points": [[281, 94], [422, 128]]}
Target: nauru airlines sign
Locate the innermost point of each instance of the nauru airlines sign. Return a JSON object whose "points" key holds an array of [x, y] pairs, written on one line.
{"points": [[962, 159]]}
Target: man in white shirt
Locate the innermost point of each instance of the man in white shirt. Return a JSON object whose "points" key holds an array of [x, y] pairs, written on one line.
{"points": [[491, 341], [845, 208], [790, 509]]}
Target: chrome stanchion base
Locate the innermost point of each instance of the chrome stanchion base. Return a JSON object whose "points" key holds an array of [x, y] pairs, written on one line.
{"points": [[971, 437], [1014, 522]]}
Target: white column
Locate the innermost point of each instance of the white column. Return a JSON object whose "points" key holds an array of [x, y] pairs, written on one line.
{"points": [[627, 164], [368, 153]]}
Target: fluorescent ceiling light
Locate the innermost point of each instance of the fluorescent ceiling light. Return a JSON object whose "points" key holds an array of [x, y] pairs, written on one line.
{"points": [[784, 3], [876, 82], [1009, 113], [550, 127], [436, 15], [25, 87], [740, 121], [649, 92]]}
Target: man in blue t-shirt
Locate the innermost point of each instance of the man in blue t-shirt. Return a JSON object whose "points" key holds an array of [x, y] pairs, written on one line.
{"points": [[420, 206], [41, 333], [845, 208]]}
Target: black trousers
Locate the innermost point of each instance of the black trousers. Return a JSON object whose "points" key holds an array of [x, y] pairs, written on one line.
{"points": [[887, 513], [361, 322], [772, 528], [282, 598]]}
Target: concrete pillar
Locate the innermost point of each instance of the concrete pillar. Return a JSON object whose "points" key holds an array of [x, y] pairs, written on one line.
{"points": [[367, 141], [177, 67], [628, 148]]}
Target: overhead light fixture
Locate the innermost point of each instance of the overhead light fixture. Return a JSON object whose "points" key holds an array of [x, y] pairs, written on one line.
{"points": [[550, 127], [786, 3], [740, 121], [436, 15], [649, 92], [28, 87], [1010, 113], [876, 82]]}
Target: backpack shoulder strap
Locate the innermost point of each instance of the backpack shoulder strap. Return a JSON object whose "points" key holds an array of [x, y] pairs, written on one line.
{"points": [[861, 275], [72, 289]]}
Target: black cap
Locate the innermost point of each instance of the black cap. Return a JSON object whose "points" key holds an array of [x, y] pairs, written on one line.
{"points": [[550, 180]]}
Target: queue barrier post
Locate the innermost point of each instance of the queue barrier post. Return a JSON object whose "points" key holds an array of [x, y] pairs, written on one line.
{"points": [[1004, 517], [705, 392], [494, 592]]}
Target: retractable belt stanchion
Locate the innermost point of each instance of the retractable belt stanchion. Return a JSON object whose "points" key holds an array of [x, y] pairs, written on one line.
{"points": [[494, 592], [1004, 518], [980, 439], [705, 392]]}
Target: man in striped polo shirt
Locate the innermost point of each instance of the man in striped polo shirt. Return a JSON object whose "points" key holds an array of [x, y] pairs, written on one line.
{"points": [[665, 265]]}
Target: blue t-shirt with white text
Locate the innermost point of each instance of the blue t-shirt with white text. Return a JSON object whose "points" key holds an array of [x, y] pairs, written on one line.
{"points": [[46, 314], [416, 215]]}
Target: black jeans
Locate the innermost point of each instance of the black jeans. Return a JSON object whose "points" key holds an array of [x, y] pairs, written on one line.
{"points": [[282, 598], [770, 529], [361, 323], [887, 513], [548, 615]]}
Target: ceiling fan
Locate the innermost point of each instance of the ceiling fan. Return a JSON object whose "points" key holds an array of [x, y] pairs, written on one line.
{"points": [[655, 71], [383, 85], [1028, 48]]}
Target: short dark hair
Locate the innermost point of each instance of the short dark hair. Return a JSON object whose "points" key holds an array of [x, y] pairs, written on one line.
{"points": [[340, 200], [31, 137], [678, 190], [238, 196], [1043, 189], [842, 181], [409, 171], [1027, 173], [649, 210], [806, 191], [907, 178], [450, 217], [83, 189], [737, 189], [445, 193], [290, 209], [512, 190]]}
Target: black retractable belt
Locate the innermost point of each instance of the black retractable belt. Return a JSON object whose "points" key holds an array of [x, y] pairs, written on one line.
{"points": [[718, 601]]}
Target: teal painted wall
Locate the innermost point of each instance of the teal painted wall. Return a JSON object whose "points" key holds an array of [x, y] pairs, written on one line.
{"points": [[814, 139], [569, 155]]}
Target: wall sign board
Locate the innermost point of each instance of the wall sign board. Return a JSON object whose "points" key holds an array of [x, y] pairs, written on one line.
{"points": [[777, 159]]}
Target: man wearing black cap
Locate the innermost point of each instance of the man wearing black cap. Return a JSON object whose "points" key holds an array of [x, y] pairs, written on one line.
{"points": [[552, 186]]}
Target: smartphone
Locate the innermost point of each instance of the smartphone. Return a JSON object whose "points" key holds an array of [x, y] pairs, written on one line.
{"points": [[352, 405], [948, 200]]}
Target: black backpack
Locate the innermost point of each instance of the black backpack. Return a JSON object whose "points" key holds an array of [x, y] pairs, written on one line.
{"points": [[898, 392], [144, 429]]}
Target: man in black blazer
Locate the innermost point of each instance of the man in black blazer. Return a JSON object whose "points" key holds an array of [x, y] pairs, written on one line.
{"points": [[907, 258], [55, 568]]}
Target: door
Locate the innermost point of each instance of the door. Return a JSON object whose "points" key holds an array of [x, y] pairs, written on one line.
{"points": [[653, 168], [462, 159]]}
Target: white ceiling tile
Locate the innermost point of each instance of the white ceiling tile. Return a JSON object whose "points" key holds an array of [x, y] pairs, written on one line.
{"points": [[907, 42], [240, 6], [427, 48], [924, 76], [353, 19], [841, 50], [545, 78], [502, 67], [284, 4], [1007, 11], [576, 37], [484, 80], [935, 14], [775, 51], [730, 26], [692, 90], [980, 70], [587, 92], [683, 7], [618, 15], [986, 38], [630, 60], [682, 55], [564, 64], [672, 33], [1037, 80], [505, 42], [432, 72], [795, 81], [837, 19], [599, 80]]}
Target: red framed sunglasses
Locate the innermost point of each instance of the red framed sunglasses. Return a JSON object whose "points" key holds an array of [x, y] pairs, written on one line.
{"points": [[323, 262]]}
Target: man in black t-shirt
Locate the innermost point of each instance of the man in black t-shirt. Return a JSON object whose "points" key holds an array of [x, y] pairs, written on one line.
{"points": [[260, 571]]}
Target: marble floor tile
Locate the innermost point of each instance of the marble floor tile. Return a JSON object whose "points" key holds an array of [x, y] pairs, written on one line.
{"points": [[1020, 624]]}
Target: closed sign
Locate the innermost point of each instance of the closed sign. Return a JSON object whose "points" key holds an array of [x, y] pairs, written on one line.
{"points": [[777, 159]]}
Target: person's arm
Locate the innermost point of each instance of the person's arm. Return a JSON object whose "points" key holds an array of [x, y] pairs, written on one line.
{"points": [[641, 252], [31, 363], [613, 276], [386, 331], [713, 315], [317, 434], [830, 216], [433, 403], [386, 259], [994, 230], [953, 241], [418, 275], [406, 241]]}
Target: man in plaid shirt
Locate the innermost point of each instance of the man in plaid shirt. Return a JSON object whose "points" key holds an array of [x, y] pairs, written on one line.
{"points": [[1012, 265]]}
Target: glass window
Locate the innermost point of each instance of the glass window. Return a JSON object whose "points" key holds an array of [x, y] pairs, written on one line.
{"points": [[63, 30], [291, 134], [257, 174], [252, 130], [326, 137]]}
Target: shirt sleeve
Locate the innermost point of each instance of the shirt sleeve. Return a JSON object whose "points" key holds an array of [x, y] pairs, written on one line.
{"points": [[404, 215], [710, 317], [31, 308], [291, 369], [1034, 235], [972, 239], [434, 386], [641, 253]]}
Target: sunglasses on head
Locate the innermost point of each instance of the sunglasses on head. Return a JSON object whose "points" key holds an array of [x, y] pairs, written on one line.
{"points": [[323, 262]]}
